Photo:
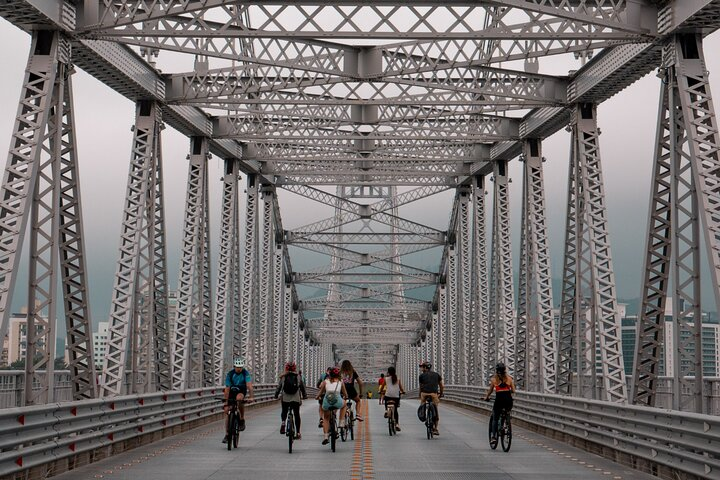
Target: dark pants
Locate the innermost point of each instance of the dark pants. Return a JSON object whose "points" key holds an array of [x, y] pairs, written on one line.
{"points": [[396, 401], [296, 412], [502, 402]]}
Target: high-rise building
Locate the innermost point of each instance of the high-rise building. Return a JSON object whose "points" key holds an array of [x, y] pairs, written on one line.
{"points": [[15, 342], [666, 367], [100, 339]]}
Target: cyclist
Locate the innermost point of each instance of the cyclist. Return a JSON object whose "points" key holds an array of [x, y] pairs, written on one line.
{"points": [[322, 378], [349, 377], [381, 388], [393, 390], [504, 387], [431, 385], [331, 394], [292, 389], [238, 384]]}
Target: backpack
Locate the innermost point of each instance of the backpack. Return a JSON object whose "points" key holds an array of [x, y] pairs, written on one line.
{"points": [[291, 384]]}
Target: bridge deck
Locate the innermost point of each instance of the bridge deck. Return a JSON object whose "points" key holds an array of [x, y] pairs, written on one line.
{"points": [[460, 452]]}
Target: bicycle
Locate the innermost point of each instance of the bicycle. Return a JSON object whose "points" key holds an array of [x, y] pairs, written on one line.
{"points": [[390, 412], [290, 429], [332, 429], [504, 430], [349, 421], [233, 425], [429, 417]]}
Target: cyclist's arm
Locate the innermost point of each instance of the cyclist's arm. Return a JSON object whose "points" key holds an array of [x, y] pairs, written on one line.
{"points": [[321, 391], [302, 388], [512, 385], [251, 391], [279, 387], [344, 390], [402, 389], [490, 390], [442, 388]]}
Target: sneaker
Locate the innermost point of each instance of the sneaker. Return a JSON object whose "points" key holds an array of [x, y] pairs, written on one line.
{"points": [[298, 437], [282, 429], [359, 418], [325, 441], [386, 414], [320, 424], [225, 439], [397, 427], [242, 424], [436, 433]]}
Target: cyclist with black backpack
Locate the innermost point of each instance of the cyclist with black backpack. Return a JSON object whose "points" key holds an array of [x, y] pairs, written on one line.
{"points": [[292, 389]]}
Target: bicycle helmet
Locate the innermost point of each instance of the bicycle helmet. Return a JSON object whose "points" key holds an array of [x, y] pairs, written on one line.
{"points": [[427, 365], [500, 368], [290, 366], [239, 362]]}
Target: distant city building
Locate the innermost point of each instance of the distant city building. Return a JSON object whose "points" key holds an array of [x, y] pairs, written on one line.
{"points": [[710, 344], [100, 338], [15, 342]]}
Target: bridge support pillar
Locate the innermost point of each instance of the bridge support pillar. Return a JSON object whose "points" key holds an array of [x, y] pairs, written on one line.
{"points": [[536, 344], [684, 198], [244, 334], [227, 308], [483, 341], [194, 358], [139, 304], [501, 287], [41, 184], [589, 318], [265, 365]]}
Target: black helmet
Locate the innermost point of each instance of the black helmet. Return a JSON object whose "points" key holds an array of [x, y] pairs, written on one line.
{"points": [[500, 368]]}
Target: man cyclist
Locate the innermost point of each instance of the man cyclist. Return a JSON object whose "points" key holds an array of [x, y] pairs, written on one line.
{"points": [[431, 385], [238, 383], [504, 387]]}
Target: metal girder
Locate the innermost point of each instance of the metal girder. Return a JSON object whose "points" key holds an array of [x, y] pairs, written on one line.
{"points": [[194, 357], [589, 322], [141, 273], [482, 340], [242, 345], [536, 325], [549, 20]]}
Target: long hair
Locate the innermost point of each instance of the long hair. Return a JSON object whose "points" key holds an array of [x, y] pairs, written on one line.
{"points": [[346, 367], [393, 375]]}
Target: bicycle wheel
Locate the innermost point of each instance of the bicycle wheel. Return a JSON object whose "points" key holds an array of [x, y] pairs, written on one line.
{"points": [[343, 433], [506, 435], [231, 431], [333, 433], [352, 426], [429, 421], [391, 425], [290, 431], [236, 434], [493, 445]]}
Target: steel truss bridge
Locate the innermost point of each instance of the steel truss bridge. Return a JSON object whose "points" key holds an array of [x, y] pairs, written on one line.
{"points": [[364, 108]]}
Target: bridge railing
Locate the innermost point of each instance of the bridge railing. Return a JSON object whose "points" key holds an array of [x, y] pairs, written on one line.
{"points": [[659, 441], [59, 437], [12, 387]]}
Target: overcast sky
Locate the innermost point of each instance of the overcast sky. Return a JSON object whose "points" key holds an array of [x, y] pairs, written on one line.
{"points": [[104, 119]]}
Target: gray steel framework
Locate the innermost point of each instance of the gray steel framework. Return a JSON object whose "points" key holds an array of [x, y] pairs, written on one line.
{"points": [[683, 195], [368, 98]]}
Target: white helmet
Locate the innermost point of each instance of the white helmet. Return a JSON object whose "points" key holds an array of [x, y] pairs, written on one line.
{"points": [[239, 362]]}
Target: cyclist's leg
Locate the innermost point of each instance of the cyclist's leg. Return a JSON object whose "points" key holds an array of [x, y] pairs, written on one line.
{"points": [[343, 409], [395, 410], [241, 404], [358, 417], [495, 418], [283, 415]]}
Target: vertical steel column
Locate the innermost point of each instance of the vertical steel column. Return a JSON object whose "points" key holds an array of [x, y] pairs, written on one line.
{"points": [[484, 340], [451, 319], [278, 309], [265, 368], [536, 284], [595, 329], [225, 312], [287, 324], [502, 266], [193, 356], [466, 353], [683, 193], [440, 333], [42, 166], [242, 346], [141, 270]]}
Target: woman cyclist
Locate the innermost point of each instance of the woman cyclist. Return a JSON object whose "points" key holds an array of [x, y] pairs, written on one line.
{"points": [[504, 387], [393, 390], [291, 390], [332, 391], [349, 377]]}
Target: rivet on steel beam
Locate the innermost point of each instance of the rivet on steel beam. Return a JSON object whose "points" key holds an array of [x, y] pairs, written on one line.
{"points": [[21, 419], [73, 411], [19, 461]]}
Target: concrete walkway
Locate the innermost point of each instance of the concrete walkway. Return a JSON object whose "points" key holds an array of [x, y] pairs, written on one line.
{"points": [[460, 452]]}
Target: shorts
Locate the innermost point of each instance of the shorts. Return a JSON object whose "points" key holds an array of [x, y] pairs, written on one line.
{"points": [[234, 391], [396, 401], [434, 396], [351, 392], [322, 397], [330, 406]]}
